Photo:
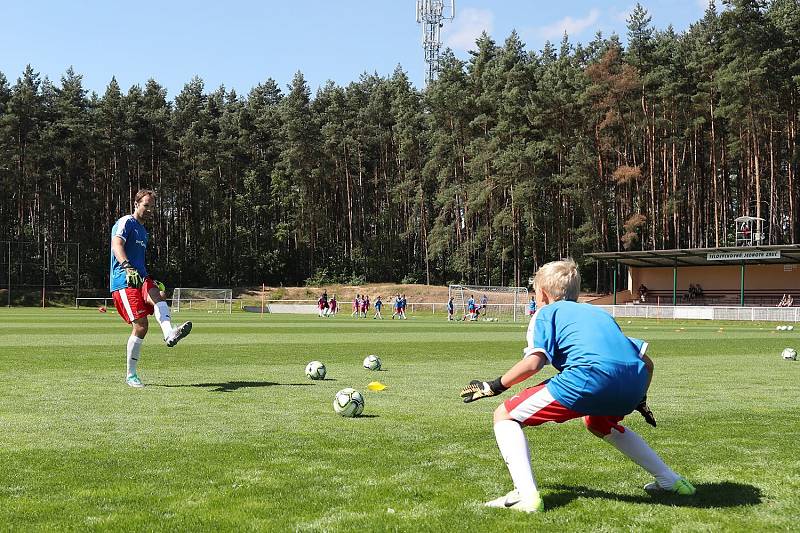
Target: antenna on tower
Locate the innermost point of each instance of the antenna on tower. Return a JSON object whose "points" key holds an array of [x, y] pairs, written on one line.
{"points": [[432, 14]]}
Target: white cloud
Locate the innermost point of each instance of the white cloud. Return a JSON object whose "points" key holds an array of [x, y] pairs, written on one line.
{"points": [[467, 27], [572, 26], [623, 16]]}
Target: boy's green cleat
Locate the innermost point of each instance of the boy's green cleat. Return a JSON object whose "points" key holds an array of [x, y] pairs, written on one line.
{"points": [[681, 487], [134, 381], [513, 500]]}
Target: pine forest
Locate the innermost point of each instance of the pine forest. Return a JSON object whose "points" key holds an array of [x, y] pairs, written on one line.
{"points": [[510, 159]]}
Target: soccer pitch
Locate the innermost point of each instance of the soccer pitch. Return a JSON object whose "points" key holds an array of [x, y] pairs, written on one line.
{"points": [[229, 434]]}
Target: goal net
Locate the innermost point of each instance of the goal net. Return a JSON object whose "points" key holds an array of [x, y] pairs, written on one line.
{"points": [[492, 303], [211, 300]]}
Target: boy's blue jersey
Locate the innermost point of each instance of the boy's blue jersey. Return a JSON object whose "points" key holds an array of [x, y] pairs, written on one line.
{"points": [[532, 306], [601, 371], [135, 237], [378, 304]]}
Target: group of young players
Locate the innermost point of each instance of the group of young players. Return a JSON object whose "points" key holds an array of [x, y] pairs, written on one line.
{"points": [[361, 306], [602, 375], [327, 306]]}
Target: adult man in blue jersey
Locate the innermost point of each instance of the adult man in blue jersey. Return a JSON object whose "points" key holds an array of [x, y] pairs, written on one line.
{"points": [[136, 295]]}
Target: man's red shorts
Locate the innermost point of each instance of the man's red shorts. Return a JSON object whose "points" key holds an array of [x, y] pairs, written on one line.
{"points": [[132, 303]]}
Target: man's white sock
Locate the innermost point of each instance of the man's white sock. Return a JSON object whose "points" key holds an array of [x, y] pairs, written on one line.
{"points": [[638, 451], [163, 318], [514, 449], [134, 349]]}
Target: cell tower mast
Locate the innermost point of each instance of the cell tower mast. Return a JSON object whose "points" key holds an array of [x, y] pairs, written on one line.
{"points": [[432, 14]]}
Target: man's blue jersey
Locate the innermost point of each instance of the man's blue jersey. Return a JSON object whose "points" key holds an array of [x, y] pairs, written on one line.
{"points": [[601, 371], [135, 237], [378, 304]]}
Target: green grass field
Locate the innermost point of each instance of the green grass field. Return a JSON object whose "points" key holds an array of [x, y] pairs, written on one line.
{"points": [[230, 435]]}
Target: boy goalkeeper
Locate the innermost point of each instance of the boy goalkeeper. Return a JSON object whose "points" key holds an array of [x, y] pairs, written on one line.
{"points": [[603, 376]]}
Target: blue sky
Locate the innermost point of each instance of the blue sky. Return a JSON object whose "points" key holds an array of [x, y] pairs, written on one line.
{"points": [[240, 43]]}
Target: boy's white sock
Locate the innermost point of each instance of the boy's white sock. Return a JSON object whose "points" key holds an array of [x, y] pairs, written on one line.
{"points": [[638, 451], [514, 449], [163, 318], [134, 349]]}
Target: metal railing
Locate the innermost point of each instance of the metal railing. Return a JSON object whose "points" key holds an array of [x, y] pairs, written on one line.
{"points": [[772, 314]]}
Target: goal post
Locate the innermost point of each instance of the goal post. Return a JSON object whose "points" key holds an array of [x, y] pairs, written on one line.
{"points": [[490, 301], [202, 299]]}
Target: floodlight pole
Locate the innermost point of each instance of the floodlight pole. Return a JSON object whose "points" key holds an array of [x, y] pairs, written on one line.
{"points": [[44, 270], [78, 279], [9, 273]]}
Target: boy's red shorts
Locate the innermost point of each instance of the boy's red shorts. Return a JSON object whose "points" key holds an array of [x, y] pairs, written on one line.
{"points": [[535, 405], [132, 303]]}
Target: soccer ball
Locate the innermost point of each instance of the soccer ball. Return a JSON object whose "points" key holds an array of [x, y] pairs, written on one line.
{"points": [[348, 402], [789, 328], [779, 328], [789, 354], [371, 362], [315, 370]]}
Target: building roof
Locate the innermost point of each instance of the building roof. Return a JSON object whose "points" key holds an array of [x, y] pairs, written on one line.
{"points": [[786, 253]]}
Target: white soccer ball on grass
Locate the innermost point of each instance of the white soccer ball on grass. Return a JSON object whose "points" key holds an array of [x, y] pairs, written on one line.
{"points": [[789, 354], [372, 362], [316, 370], [348, 403]]}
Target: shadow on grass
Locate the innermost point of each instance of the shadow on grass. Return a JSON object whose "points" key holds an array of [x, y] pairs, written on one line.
{"points": [[709, 495], [231, 386]]}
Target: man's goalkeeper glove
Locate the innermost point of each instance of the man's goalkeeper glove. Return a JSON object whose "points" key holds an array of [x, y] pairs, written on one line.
{"points": [[482, 389], [132, 276], [645, 411]]}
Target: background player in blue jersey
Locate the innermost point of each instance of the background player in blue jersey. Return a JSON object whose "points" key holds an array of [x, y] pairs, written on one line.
{"points": [[136, 295], [603, 376]]}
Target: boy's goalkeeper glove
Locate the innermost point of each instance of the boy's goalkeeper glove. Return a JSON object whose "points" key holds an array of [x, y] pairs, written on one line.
{"points": [[132, 276], [645, 411], [482, 389]]}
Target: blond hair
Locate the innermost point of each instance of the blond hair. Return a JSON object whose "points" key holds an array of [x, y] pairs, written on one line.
{"points": [[560, 279]]}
